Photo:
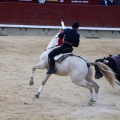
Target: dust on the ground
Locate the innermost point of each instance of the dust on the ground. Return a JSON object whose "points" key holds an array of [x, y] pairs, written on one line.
{"points": [[60, 99]]}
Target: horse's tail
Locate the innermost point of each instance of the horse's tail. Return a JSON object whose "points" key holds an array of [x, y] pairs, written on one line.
{"points": [[106, 71]]}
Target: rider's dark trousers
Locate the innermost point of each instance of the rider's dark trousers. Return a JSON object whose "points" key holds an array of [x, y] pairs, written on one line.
{"points": [[55, 52]]}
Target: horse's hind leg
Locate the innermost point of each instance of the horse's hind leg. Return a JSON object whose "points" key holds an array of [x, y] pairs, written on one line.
{"points": [[84, 83], [89, 78], [41, 86], [96, 87]]}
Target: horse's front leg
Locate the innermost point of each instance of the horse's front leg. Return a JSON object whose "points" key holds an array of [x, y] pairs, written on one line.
{"points": [[42, 85], [32, 75], [38, 66]]}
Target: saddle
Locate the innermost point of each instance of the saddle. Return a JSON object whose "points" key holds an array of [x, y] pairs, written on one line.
{"points": [[65, 53], [62, 56]]}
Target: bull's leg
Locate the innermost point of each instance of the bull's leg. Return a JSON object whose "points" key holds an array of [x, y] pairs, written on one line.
{"points": [[41, 86], [38, 66]]}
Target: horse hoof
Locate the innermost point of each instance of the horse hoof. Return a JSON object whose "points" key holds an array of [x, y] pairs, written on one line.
{"points": [[91, 103], [31, 83], [36, 96]]}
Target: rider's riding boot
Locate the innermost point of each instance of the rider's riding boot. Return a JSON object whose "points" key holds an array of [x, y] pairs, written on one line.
{"points": [[52, 70]]}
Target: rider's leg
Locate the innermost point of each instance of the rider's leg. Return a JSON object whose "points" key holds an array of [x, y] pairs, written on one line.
{"points": [[52, 69], [51, 61]]}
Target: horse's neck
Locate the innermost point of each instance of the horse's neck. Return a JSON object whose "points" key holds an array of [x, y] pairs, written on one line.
{"points": [[44, 55], [50, 47], [53, 42]]}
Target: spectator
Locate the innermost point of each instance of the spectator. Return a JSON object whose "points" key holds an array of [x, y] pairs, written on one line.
{"points": [[110, 2], [106, 2], [116, 2]]}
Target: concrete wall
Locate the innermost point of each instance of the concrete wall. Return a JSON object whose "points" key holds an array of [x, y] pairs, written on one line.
{"points": [[6, 31]]}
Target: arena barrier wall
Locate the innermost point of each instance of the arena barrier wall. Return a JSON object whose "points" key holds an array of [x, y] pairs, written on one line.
{"points": [[51, 14]]}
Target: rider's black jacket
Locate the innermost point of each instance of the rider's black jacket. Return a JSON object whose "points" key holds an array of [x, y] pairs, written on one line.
{"points": [[71, 36]]}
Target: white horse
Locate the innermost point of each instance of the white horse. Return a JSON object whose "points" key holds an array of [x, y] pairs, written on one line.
{"points": [[76, 68]]}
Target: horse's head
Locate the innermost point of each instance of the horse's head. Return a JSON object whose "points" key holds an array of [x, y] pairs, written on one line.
{"points": [[53, 42]]}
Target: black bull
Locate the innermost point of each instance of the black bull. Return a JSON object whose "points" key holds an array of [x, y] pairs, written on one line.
{"points": [[112, 64]]}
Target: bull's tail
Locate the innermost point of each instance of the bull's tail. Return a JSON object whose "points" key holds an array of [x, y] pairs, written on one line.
{"points": [[106, 71]]}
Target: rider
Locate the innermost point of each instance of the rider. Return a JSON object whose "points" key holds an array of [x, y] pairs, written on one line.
{"points": [[71, 38]]}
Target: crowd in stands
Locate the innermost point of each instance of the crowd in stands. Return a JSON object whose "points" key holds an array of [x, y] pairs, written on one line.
{"points": [[103, 2], [110, 2]]}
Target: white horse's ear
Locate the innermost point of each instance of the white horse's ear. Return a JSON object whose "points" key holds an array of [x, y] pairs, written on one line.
{"points": [[41, 1]]}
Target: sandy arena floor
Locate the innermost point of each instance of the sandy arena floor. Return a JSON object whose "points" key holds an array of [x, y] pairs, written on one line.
{"points": [[60, 99]]}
